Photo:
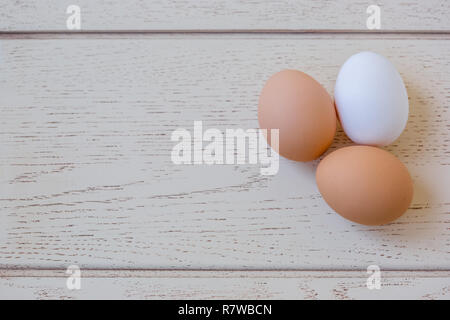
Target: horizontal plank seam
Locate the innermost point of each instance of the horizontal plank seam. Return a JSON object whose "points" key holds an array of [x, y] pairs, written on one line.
{"points": [[207, 274], [230, 31], [249, 269], [219, 35], [226, 270]]}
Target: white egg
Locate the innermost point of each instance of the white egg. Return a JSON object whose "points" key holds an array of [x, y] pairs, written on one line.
{"points": [[371, 99]]}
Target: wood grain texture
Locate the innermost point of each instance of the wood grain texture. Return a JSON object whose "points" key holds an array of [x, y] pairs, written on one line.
{"points": [[299, 15], [122, 284], [86, 176]]}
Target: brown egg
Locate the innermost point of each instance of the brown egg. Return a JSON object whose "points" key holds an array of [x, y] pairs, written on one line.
{"points": [[302, 110], [365, 184]]}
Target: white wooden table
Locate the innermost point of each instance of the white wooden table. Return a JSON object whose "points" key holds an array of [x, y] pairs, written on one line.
{"points": [[85, 171]]}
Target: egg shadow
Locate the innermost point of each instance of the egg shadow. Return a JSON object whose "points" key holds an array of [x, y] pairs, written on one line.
{"points": [[416, 135], [340, 140]]}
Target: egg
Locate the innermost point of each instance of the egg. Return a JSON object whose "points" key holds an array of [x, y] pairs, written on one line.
{"points": [[302, 110], [371, 99], [365, 184]]}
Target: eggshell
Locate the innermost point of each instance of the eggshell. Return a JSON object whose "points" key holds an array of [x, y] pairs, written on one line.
{"points": [[302, 110], [371, 99], [365, 184]]}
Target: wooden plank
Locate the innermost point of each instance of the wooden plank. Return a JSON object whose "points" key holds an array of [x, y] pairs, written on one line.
{"points": [[299, 15], [86, 175], [122, 284]]}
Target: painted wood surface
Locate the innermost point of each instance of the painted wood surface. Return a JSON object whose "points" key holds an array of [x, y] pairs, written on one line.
{"points": [[288, 15], [47, 284], [87, 178]]}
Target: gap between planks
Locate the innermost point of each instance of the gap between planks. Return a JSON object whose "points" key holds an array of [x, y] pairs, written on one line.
{"points": [[192, 273], [224, 34], [219, 31], [228, 31]]}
